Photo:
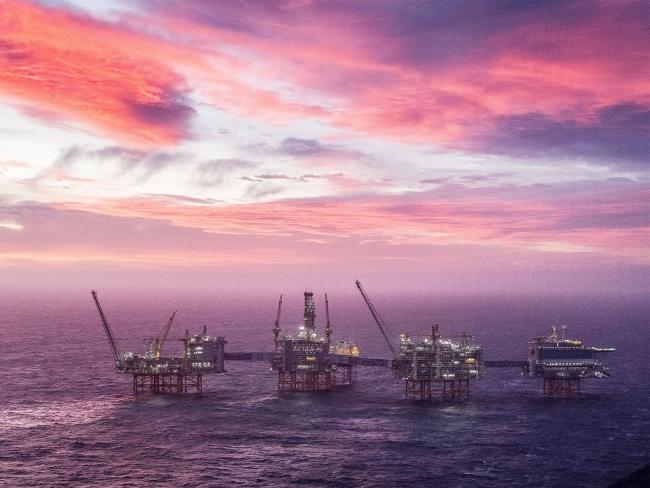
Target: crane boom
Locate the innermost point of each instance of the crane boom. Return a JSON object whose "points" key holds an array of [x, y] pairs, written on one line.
{"points": [[375, 315], [107, 327], [160, 340]]}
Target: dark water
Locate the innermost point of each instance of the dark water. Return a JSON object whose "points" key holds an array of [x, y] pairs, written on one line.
{"points": [[67, 420]]}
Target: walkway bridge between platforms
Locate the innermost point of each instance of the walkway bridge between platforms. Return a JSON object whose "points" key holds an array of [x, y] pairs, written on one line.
{"points": [[358, 360], [505, 364]]}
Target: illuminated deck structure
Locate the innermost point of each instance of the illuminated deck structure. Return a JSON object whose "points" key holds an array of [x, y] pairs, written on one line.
{"points": [[305, 362], [563, 363], [436, 366], [433, 366]]}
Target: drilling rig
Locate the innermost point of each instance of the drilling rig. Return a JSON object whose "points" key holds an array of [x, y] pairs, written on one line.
{"points": [[304, 363]]}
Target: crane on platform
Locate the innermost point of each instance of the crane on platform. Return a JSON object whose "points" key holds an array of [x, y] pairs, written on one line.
{"points": [[328, 328], [107, 328], [375, 315], [276, 326], [162, 337]]}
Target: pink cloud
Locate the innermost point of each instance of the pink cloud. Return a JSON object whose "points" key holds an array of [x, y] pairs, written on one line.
{"points": [[603, 218], [82, 69], [456, 77], [454, 238], [121, 79]]}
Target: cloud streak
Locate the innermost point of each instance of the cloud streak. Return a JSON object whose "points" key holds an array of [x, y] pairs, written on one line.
{"points": [[610, 218], [596, 231], [143, 164]]}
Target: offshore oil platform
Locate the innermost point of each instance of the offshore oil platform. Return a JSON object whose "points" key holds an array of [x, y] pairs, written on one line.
{"points": [[432, 366], [202, 354], [563, 362], [309, 362]]}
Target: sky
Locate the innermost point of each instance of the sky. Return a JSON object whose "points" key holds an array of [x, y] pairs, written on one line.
{"points": [[447, 146]]}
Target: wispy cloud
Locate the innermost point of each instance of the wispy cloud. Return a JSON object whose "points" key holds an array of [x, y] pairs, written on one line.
{"points": [[293, 146], [214, 171], [611, 218], [494, 234], [11, 225], [143, 164]]}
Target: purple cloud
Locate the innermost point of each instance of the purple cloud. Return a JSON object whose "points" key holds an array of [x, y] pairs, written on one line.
{"points": [[617, 135]]}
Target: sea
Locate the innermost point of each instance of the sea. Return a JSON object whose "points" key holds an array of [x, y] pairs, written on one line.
{"points": [[67, 420]]}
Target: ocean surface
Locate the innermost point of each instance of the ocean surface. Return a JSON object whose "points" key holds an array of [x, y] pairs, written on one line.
{"points": [[67, 420]]}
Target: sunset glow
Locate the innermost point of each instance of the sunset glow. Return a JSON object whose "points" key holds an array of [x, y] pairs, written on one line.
{"points": [[459, 146]]}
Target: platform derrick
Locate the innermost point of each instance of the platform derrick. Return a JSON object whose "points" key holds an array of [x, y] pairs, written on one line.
{"points": [[304, 362], [159, 374], [432, 367], [562, 363]]}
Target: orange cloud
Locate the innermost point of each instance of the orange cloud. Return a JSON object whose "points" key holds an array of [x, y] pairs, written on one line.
{"points": [[92, 72], [126, 83]]}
